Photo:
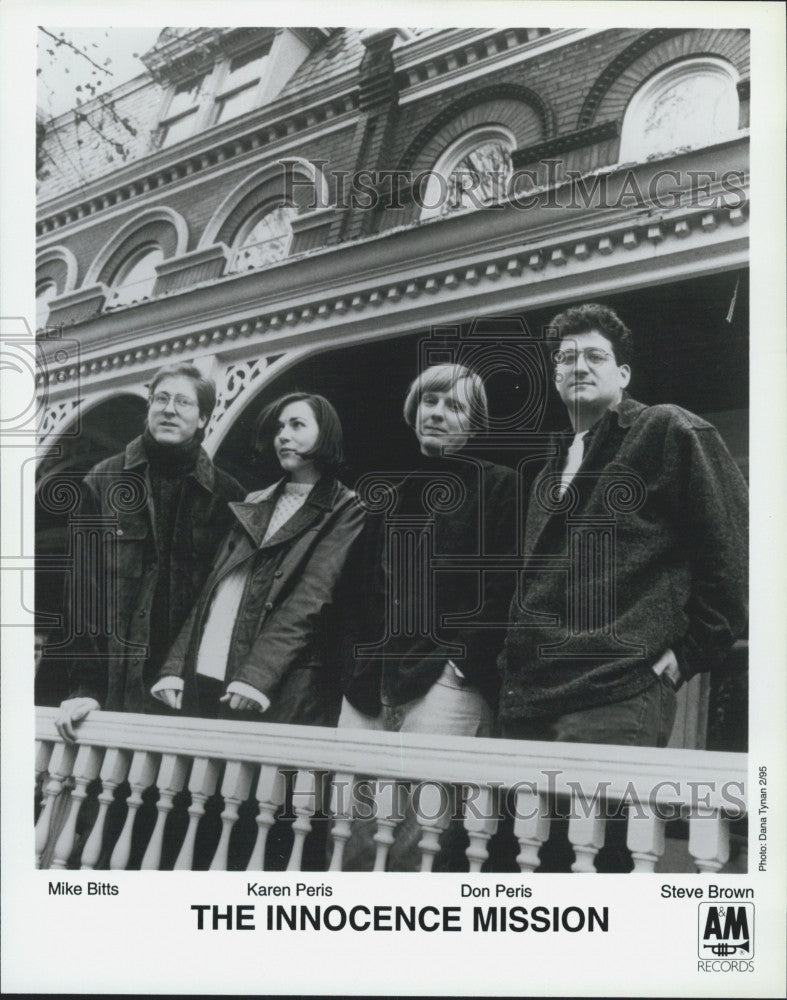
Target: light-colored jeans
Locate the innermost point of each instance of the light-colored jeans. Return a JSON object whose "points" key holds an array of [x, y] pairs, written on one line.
{"points": [[450, 707]]}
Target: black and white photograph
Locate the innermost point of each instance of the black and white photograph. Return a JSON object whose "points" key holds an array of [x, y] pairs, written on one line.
{"points": [[393, 466]]}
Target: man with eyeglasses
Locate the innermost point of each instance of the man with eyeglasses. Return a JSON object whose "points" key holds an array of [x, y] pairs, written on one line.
{"points": [[635, 572], [169, 503]]}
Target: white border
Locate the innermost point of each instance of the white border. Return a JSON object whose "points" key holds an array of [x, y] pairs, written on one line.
{"points": [[144, 940]]}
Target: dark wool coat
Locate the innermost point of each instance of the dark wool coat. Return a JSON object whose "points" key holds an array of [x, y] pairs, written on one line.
{"points": [[587, 626], [115, 670], [280, 641], [467, 599]]}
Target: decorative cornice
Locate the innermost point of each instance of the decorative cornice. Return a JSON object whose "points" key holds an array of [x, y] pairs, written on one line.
{"points": [[204, 264], [552, 252], [78, 306], [187, 51], [462, 52], [566, 143], [208, 154]]}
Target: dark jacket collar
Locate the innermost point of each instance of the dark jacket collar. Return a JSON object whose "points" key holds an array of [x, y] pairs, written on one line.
{"points": [[623, 416], [202, 472], [255, 512]]}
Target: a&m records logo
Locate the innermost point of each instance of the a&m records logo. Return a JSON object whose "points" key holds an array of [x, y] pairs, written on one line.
{"points": [[726, 931]]}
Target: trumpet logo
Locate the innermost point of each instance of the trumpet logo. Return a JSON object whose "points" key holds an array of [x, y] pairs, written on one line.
{"points": [[726, 931]]}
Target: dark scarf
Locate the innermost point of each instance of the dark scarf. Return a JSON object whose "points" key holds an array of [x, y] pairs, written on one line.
{"points": [[170, 460], [168, 466]]}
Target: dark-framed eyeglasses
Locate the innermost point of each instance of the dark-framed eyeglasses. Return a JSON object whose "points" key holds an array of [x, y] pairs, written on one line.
{"points": [[594, 356], [161, 400]]}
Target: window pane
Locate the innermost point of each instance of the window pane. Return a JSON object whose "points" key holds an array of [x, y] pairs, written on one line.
{"points": [[243, 69], [185, 97], [237, 104], [482, 175], [180, 129], [267, 241], [688, 105], [693, 111], [136, 277], [477, 176]]}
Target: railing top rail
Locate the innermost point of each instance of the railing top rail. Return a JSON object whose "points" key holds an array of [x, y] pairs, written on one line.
{"points": [[709, 779]]}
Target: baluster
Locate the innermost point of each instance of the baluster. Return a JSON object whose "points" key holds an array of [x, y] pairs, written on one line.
{"points": [[304, 801], [235, 789], [86, 767], [114, 772], [171, 778], [480, 822], [531, 827], [60, 767], [709, 839], [271, 791], [144, 767], [645, 837], [389, 799], [341, 810], [202, 784], [44, 750], [586, 835], [432, 806]]}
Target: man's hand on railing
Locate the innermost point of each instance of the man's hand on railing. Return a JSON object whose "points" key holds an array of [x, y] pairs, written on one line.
{"points": [[72, 711]]}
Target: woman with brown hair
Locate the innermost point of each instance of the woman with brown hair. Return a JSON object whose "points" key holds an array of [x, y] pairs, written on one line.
{"points": [[255, 644]]}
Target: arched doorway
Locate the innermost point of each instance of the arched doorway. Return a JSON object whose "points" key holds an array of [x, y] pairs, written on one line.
{"points": [[104, 430]]}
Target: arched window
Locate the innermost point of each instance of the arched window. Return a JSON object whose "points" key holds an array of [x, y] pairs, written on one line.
{"points": [[691, 103], [473, 172], [136, 276], [46, 291], [263, 239]]}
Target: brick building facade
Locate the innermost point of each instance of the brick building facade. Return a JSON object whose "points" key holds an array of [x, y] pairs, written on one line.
{"points": [[235, 205]]}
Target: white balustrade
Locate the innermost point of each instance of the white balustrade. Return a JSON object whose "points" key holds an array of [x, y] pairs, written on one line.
{"points": [[305, 803], [271, 791], [645, 837], [342, 801], [239, 768], [480, 822], [235, 788], [86, 765], [531, 826], [114, 772], [171, 778], [202, 784], [61, 764], [432, 804], [709, 839], [144, 766]]}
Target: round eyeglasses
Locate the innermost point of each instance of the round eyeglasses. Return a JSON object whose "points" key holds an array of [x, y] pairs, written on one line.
{"points": [[161, 400], [593, 356]]}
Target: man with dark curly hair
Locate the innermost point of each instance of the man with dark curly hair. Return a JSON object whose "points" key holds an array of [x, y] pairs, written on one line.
{"points": [[635, 555]]}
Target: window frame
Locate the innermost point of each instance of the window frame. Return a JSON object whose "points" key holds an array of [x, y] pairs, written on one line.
{"points": [[449, 160], [260, 53], [633, 137], [169, 119], [119, 282], [248, 226]]}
